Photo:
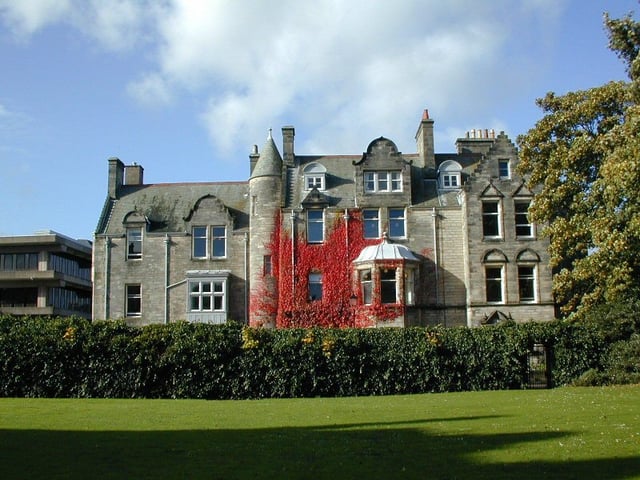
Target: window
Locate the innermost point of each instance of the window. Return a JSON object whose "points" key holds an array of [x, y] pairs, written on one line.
{"points": [[527, 283], [311, 182], [409, 287], [218, 242], [266, 265], [450, 180], [450, 174], [396, 223], [371, 221], [315, 286], [134, 243], [366, 286], [134, 301], [314, 176], [382, 181], [388, 285], [18, 261], [207, 295], [315, 226], [493, 284], [200, 237], [524, 228], [491, 219], [503, 169]]}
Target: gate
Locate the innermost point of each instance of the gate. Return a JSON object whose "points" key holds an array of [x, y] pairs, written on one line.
{"points": [[539, 367]]}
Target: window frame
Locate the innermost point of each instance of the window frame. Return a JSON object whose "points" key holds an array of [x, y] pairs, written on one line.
{"points": [[314, 180], [315, 222], [131, 242], [207, 294], [532, 283], [365, 277], [387, 277], [382, 181], [518, 215], [402, 218], [499, 281], [496, 216], [314, 286], [130, 298], [217, 239], [369, 222], [504, 168]]}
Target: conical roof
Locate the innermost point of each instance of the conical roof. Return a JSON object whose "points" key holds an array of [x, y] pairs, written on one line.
{"points": [[270, 162], [385, 251]]}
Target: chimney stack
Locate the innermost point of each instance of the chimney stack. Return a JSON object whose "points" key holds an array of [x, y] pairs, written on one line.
{"points": [[424, 142]]}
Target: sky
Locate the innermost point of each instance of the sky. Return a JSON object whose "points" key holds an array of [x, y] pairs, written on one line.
{"points": [[185, 88]]}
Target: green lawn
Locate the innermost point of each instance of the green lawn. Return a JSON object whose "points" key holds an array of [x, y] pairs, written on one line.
{"points": [[567, 433]]}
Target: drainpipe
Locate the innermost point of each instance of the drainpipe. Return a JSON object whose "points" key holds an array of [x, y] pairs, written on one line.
{"points": [[167, 246], [246, 279], [293, 255], [434, 216], [107, 276]]}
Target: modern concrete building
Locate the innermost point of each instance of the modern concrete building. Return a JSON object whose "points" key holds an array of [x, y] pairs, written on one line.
{"points": [[381, 238], [45, 274]]}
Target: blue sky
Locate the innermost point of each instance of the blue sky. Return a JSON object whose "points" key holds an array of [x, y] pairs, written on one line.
{"points": [[186, 87]]}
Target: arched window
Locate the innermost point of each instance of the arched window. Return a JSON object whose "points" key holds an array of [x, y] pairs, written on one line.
{"points": [[449, 175], [494, 270], [315, 176]]}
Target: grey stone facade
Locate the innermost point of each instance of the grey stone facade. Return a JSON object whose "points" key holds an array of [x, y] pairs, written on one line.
{"points": [[202, 252]]}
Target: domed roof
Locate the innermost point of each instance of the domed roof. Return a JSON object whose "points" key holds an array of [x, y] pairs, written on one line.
{"points": [[385, 251]]}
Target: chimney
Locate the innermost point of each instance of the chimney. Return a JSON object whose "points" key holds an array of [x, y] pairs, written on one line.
{"points": [[424, 142], [253, 159], [116, 176], [288, 134], [133, 174]]}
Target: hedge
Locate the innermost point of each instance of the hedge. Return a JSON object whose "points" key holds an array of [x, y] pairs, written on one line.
{"points": [[71, 357]]}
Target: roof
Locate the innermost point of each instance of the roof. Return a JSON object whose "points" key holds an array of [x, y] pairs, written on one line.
{"points": [[385, 251], [270, 161], [166, 206]]}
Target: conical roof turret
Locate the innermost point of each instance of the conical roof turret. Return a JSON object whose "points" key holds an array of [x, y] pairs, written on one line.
{"points": [[270, 162]]}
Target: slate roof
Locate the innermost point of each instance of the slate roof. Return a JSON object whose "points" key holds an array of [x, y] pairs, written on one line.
{"points": [[165, 206]]}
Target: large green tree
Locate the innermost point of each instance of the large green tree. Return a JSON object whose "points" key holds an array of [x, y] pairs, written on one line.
{"points": [[583, 157]]}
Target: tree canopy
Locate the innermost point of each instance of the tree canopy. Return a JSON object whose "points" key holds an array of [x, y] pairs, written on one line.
{"points": [[583, 160]]}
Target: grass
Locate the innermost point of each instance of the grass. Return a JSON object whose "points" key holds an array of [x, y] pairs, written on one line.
{"points": [[568, 433]]}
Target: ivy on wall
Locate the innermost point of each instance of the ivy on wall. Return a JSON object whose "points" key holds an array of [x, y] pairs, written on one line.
{"points": [[285, 297]]}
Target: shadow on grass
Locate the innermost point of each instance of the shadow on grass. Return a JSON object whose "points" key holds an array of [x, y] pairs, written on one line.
{"points": [[373, 451]]}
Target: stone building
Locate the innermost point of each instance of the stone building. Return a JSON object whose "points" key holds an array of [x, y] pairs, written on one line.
{"points": [[382, 238], [46, 273]]}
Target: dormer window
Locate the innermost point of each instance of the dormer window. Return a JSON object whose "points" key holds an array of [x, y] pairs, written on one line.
{"points": [[315, 176], [449, 175]]}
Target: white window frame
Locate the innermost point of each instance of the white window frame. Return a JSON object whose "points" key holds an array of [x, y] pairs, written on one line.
{"points": [[519, 225], [497, 215], [207, 292], [504, 162], [449, 174], [385, 181], [365, 277], [388, 281], [451, 180], [200, 239], [532, 278], [315, 221], [134, 237], [216, 237], [404, 222], [133, 296], [315, 176], [499, 279], [366, 221]]}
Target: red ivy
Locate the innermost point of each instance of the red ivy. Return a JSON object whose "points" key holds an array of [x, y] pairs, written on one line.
{"points": [[333, 258]]}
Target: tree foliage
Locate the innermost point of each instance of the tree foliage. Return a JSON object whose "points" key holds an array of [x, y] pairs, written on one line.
{"points": [[583, 157]]}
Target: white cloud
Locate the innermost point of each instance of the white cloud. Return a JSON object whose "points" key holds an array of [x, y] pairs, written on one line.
{"points": [[344, 72]]}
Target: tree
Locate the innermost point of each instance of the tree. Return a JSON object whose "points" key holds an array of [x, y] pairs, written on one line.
{"points": [[583, 159]]}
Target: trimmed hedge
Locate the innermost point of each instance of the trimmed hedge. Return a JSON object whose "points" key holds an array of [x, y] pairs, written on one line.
{"points": [[71, 357]]}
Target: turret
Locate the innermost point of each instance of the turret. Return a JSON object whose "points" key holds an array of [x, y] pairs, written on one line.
{"points": [[265, 187]]}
